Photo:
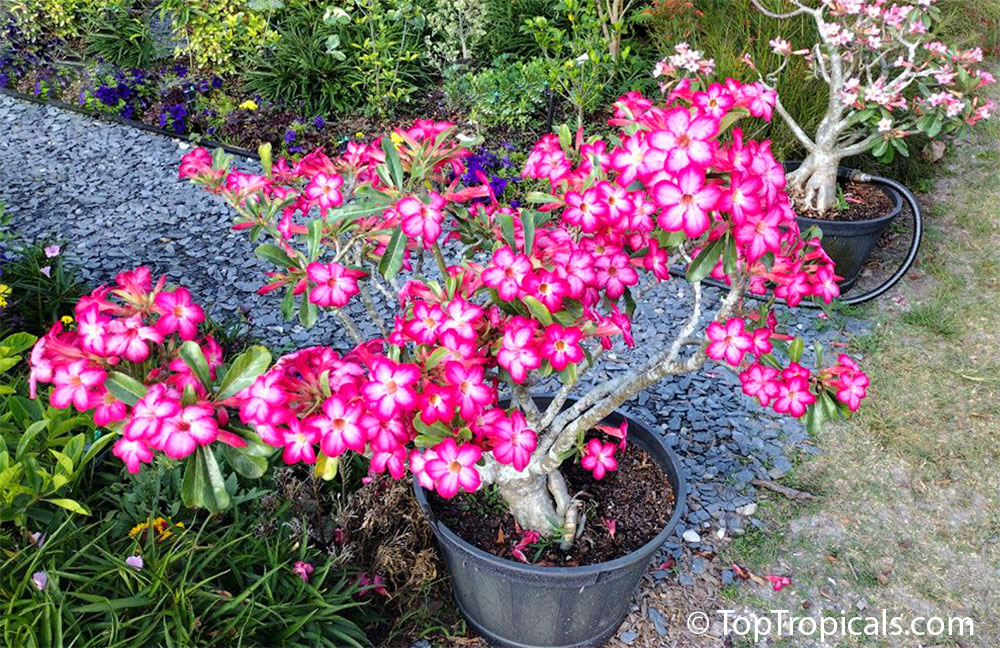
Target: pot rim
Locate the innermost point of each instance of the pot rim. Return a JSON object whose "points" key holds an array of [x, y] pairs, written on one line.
{"points": [[843, 173], [680, 505]]}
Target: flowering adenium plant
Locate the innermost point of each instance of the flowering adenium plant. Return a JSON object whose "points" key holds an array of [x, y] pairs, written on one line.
{"points": [[888, 79], [135, 360], [498, 299]]}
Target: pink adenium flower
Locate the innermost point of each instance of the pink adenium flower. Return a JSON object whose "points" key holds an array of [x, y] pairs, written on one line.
{"points": [[76, 383], [178, 314], [454, 468], [335, 284], [730, 341], [506, 272], [561, 346], [599, 458], [513, 441], [324, 190], [389, 390]]}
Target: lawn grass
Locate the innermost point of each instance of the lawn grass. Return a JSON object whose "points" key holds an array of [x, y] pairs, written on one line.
{"points": [[909, 512]]}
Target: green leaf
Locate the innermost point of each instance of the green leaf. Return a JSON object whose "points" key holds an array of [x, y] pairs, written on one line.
{"points": [[795, 349], [29, 435], [528, 227], [264, 151], [288, 304], [540, 197], [538, 310], [203, 485], [69, 505], [17, 342], [315, 238], [507, 229], [194, 358], [274, 254], [703, 264], [435, 358], [96, 447], [244, 370], [392, 258], [110, 605], [248, 465], [393, 163], [308, 313], [729, 256], [125, 388], [814, 419], [326, 467], [65, 463], [217, 498]]}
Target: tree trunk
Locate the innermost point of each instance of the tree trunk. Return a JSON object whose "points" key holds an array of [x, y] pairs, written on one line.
{"points": [[528, 497], [814, 184]]}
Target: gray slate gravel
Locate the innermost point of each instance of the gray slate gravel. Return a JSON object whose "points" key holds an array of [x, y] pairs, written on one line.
{"points": [[111, 193]]}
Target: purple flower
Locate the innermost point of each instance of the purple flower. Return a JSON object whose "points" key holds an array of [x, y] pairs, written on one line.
{"points": [[135, 562], [289, 136], [319, 123], [38, 538], [52, 251], [40, 579], [46, 270]]}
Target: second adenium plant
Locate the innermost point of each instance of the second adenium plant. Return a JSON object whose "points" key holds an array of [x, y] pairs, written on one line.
{"points": [[489, 301]]}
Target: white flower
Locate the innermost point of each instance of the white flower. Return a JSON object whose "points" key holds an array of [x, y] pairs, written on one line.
{"points": [[885, 125]]}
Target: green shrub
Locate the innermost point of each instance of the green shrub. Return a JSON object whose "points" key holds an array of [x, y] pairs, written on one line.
{"points": [[510, 93], [213, 585], [43, 289], [386, 47], [219, 34], [504, 35], [45, 451], [122, 36], [299, 71]]}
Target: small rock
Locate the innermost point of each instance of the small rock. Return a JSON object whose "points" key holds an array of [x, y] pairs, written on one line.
{"points": [[691, 536], [628, 636], [658, 620], [747, 509]]}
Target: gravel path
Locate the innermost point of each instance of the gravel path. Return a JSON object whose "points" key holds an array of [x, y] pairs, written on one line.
{"points": [[111, 193]]}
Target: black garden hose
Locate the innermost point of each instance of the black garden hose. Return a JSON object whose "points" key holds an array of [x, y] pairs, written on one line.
{"points": [[918, 227]]}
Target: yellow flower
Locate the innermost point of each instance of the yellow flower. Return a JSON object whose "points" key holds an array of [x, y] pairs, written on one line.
{"points": [[359, 135], [396, 138], [66, 320], [4, 294], [161, 526], [249, 104]]}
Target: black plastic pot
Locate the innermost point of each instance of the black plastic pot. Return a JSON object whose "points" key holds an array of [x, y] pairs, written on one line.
{"points": [[850, 243], [516, 605]]}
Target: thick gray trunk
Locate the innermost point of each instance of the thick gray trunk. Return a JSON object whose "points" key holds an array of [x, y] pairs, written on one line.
{"points": [[530, 502], [815, 182]]}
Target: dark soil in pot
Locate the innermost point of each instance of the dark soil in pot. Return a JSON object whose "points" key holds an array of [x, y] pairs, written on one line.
{"points": [[861, 201], [636, 500]]}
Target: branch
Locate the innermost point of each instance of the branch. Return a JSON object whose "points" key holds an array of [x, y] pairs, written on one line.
{"points": [[527, 405], [860, 147], [349, 326], [603, 400], [560, 398], [791, 14]]}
